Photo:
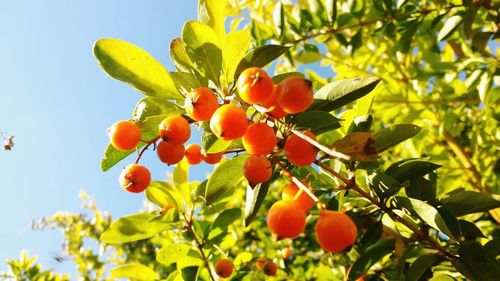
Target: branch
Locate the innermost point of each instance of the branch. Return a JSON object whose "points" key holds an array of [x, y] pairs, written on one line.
{"points": [[149, 143], [304, 187], [423, 235]]}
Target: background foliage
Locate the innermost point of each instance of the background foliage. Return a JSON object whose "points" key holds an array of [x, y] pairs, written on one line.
{"points": [[437, 61]]}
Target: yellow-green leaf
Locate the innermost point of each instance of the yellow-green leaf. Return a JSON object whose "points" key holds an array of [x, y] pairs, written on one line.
{"points": [[134, 271], [134, 66]]}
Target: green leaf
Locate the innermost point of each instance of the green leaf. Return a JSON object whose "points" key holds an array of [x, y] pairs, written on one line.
{"points": [[280, 77], [203, 49], [149, 131], [383, 184], [134, 271], [406, 38], [372, 255], [226, 218], [462, 202], [260, 57], [190, 273], [493, 247], [361, 123], [171, 253], [133, 228], [212, 13], [470, 231], [315, 121], [134, 66], [426, 212], [420, 266], [410, 168], [254, 199], [186, 81], [179, 56], [309, 54], [163, 193], [370, 237], [212, 144], [450, 26], [476, 263], [225, 176], [331, 7], [235, 47], [341, 92], [181, 180], [153, 106], [422, 189], [394, 134]]}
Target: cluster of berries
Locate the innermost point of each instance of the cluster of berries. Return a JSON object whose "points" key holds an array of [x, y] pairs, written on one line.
{"points": [[335, 231]]}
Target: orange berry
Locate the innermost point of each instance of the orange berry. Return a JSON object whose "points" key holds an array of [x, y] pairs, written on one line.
{"points": [[201, 103], [257, 169], [193, 154], [305, 201], [224, 268], [269, 268], [229, 122], [296, 94], [335, 231], [135, 178], [170, 153], [175, 129], [260, 263], [299, 151], [287, 253], [259, 139], [286, 219], [272, 106], [254, 85], [124, 135], [211, 158]]}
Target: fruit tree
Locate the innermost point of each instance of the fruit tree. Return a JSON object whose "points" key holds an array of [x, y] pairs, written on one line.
{"points": [[350, 140]]}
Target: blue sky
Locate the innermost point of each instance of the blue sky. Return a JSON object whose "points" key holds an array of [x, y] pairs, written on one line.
{"points": [[58, 103]]}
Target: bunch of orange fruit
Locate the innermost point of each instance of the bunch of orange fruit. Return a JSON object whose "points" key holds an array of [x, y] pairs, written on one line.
{"points": [[229, 121]]}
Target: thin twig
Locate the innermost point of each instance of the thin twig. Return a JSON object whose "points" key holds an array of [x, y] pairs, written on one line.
{"points": [[304, 187], [145, 148]]}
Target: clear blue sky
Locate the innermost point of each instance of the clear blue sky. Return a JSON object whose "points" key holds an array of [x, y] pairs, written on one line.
{"points": [[58, 103]]}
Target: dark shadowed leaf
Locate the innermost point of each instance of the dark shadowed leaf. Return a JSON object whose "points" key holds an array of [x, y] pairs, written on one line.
{"points": [[406, 169], [462, 202], [422, 189], [372, 255], [342, 92], [190, 273], [469, 230], [254, 199], [420, 266], [476, 263], [394, 134], [371, 236], [426, 212], [316, 121], [383, 184], [361, 123]]}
